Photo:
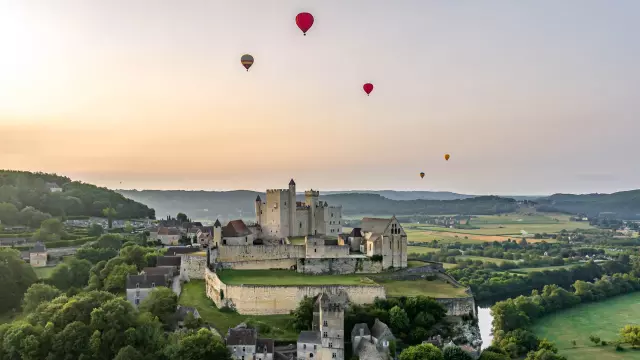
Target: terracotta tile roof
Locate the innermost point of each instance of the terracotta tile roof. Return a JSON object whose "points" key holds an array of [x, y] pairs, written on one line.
{"points": [[163, 230], [235, 228]]}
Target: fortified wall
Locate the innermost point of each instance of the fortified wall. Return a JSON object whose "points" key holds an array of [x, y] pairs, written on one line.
{"points": [[192, 266], [269, 300], [239, 253], [459, 306], [348, 265]]}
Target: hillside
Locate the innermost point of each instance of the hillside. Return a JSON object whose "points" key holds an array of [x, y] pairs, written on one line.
{"points": [[624, 204], [70, 198], [209, 205]]}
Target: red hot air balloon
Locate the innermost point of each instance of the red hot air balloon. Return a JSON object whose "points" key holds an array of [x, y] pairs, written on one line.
{"points": [[304, 21], [368, 88]]}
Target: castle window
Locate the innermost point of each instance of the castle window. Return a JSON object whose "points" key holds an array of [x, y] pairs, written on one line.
{"points": [[137, 285], [311, 355], [324, 334], [334, 356], [331, 214], [285, 203], [330, 345], [315, 250], [304, 346], [325, 323], [300, 225], [153, 284], [315, 347], [243, 349]]}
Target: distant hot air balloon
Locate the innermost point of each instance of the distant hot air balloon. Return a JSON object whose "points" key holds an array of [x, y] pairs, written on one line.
{"points": [[368, 88], [247, 61], [447, 156], [422, 175], [304, 21]]}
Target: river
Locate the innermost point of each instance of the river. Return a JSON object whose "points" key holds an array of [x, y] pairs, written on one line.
{"points": [[484, 322]]}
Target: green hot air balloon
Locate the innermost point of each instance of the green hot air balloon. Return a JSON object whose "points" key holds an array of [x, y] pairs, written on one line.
{"points": [[247, 61]]}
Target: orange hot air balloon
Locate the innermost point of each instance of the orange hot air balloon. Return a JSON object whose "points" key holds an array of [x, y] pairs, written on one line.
{"points": [[447, 156], [422, 175]]}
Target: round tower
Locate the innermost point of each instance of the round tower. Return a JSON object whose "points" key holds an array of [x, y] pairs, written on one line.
{"points": [[292, 207], [258, 204], [217, 233]]}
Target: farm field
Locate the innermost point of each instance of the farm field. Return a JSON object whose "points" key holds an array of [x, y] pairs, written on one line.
{"points": [[43, 272], [193, 294], [421, 250], [528, 270], [603, 319], [435, 288], [481, 258], [288, 277]]}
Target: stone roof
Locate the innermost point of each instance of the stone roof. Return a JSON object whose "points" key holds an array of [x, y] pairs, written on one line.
{"points": [[183, 311], [235, 228], [264, 344], [356, 330], [310, 337], [292, 182], [38, 248], [380, 329], [169, 261], [374, 238], [355, 233], [217, 223], [367, 350], [145, 281], [241, 336], [258, 199], [177, 250], [157, 270], [374, 225], [325, 300]]}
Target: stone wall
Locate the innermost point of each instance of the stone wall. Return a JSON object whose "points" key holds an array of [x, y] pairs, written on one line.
{"points": [[459, 306], [192, 266], [259, 252], [268, 300], [287, 264], [350, 265]]}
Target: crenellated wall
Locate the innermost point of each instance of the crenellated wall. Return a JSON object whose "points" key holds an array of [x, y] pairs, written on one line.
{"points": [[350, 265], [268, 300], [259, 252]]}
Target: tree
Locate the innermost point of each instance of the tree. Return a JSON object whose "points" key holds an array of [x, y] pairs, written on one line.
{"points": [[110, 241], [191, 322], [454, 352], [94, 256], [128, 353], [72, 274], [182, 218], [15, 278], [37, 294], [631, 335], [421, 352], [128, 228], [162, 303], [95, 230], [303, 314], [31, 217], [594, 339], [109, 213], [72, 342], [116, 279], [398, 318], [200, 345], [8, 214], [52, 226]]}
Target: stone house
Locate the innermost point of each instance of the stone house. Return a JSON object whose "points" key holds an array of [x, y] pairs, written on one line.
{"points": [[386, 238], [140, 286], [244, 344], [203, 237], [183, 311], [169, 236], [53, 187], [325, 341], [166, 271], [235, 232], [38, 255], [372, 344], [172, 262]]}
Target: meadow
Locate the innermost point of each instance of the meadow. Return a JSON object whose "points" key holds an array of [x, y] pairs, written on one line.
{"points": [[528, 270], [288, 277], [43, 272], [434, 288], [603, 319]]}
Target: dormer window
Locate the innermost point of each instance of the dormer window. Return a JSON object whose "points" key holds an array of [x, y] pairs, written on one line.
{"points": [[137, 285], [153, 284]]}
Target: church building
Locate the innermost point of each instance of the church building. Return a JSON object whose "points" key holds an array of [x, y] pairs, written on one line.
{"points": [[283, 216]]}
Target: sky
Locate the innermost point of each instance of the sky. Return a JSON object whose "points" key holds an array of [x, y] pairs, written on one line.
{"points": [[529, 97]]}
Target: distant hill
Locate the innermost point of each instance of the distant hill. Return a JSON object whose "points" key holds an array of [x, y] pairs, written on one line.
{"points": [[623, 204], [423, 195], [226, 205], [59, 195]]}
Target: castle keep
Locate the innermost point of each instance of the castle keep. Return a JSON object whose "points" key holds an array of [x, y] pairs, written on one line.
{"points": [[282, 216]]}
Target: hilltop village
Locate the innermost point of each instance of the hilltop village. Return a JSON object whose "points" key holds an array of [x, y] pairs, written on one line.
{"points": [[302, 238]]}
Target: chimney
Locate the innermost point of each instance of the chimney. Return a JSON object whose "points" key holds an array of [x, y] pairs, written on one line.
{"points": [[361, 332]]}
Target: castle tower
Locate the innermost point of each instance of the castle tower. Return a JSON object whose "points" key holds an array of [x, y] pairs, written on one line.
{"points": [[217, 233], [331, 326], [311, 200], [292, 207], [258, 205]]}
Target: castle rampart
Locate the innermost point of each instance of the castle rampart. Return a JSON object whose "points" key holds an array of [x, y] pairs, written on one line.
{"points": [[259, 252]]}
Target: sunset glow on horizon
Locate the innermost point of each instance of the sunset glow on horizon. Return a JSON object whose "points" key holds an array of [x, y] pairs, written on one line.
{"points": [[528, 97]]}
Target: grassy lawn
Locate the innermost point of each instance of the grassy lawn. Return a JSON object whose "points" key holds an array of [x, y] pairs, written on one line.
{"points": [[435, 288], [528, 270], [193, 294], [297, 240], [288, 277], [43, 272], [421, 250], [482, 258], [603, 319]]}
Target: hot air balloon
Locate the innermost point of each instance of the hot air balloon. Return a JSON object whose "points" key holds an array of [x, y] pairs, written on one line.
{"points": [[368, 88], [422, 175], [304, 21], [247, 61], [447, 156]]}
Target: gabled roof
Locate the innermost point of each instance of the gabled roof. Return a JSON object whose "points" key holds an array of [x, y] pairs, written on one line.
{"points": [[145, 281], [309, 337], [355, 232], [356, 330], [38, 248], [157, 271], [375, 225], [258, 199], [292, 182], [235, 228], [217, 223], [264, 344], [242, 336], [380, 329], [169, 261]]}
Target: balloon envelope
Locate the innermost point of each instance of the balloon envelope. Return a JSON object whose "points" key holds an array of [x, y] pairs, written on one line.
{"points": [[368, 88], [304, 21], [421, 175], [447, 156], [247, 61]]}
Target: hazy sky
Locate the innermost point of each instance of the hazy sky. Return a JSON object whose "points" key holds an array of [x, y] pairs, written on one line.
{"points": [[528, 97]]}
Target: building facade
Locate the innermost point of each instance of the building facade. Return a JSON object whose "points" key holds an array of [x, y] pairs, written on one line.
{"points": [[140, 286], [282, 216], [325, 341], [38, 255]]}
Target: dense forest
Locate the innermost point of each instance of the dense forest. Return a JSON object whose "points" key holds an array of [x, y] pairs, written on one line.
{"points": [[623, 204], [21, 190]]}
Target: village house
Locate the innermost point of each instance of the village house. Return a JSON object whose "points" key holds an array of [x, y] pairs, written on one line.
{"points": [[53, 187], [171, 262], [380, 237], [244, 344], [374, 344], [38, 255], [236, 232], [169, 236], [183, 311], [166, 271], [140, 286]]}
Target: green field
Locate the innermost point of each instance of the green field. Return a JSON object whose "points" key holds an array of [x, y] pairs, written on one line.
{"points": [[528, 270], [43, 272], [435, 288], [193, 294], [481, 258], [603, 319], [288, 277], [421, 250]]}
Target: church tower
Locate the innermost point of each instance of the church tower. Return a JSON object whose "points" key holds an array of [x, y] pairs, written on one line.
{"points": [[292, 207], [217, 233]]}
